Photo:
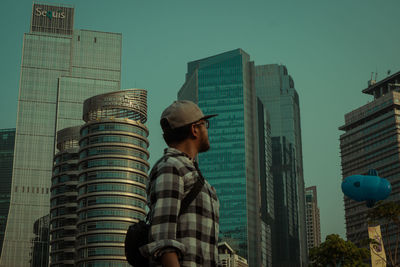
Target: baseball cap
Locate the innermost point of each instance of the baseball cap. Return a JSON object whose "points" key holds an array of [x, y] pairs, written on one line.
{"points": [[181, 113]]}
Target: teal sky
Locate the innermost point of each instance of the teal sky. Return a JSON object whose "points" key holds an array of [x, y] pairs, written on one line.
{"points": [[329, 47]]}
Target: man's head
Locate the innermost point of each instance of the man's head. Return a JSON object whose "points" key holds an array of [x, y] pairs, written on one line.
{"points": [[183, 121]]}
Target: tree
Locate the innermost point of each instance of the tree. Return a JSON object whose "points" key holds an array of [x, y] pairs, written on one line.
{"points": [[337, 252], [387, 214]]}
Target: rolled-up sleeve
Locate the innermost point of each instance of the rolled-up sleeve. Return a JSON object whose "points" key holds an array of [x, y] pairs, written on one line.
{"points": [[168, 190]]}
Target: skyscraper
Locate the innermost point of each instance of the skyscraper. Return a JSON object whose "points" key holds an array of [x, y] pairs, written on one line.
{"points": [[7, 138], [275, 88], [313, 222], [224, 84], [61, 67], [113, 174], [371, 141], [266, 183], [63, 194]]}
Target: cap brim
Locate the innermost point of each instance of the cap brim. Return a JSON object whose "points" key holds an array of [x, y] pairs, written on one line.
{"points": [[209, 116]]}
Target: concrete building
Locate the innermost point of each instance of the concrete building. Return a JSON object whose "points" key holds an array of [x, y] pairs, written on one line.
{"points": [[275, 88], [7, 142], [60, 68], [228, 258], [224, 84], [312, 218], [371, 141], [113, 174]]}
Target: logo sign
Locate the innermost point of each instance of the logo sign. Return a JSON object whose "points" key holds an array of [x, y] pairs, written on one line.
{"points": [[52, 19], [50, 14]]}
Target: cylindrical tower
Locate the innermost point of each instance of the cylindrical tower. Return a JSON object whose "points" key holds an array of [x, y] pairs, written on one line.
{"points": [[113, 173], [63, 217]]}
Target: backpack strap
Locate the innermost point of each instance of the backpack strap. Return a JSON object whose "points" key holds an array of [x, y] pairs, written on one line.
{"points": [[193, 192]]}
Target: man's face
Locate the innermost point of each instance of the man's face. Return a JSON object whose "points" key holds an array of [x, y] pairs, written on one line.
{"points": [[204, 142]]}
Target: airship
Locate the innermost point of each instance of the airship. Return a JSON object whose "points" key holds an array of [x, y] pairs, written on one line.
{"points": [[370, 188]]}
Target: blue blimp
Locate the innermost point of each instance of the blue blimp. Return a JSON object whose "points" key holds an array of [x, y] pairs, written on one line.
{"points": [[370, 188]]}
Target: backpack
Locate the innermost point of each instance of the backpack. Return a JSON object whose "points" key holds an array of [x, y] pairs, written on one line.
{"points": [[138, 233]]}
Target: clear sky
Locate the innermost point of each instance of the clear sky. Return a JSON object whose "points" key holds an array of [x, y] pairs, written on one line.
{"points": [[329, 47]]}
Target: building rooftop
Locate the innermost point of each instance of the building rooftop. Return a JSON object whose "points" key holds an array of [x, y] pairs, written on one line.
{"points": [[390, 80]]}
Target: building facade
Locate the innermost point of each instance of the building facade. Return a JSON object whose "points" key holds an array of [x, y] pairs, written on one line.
{"points": [[275, 88], [63, 194], [60, 68], [40, 242], [312, 219], [228, 258], [266, 183], [7, 141], [113, 167], [224, 85], [371, 141]]}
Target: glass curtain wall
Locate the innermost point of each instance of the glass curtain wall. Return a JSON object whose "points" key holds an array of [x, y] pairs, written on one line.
{"points": [[63, 204], [275, 88], [113, 175], [223, 85], [60, 68], [7, 142]]}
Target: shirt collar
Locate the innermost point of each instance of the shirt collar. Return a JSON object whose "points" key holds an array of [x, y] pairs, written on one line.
{"points": [[177, 152]]}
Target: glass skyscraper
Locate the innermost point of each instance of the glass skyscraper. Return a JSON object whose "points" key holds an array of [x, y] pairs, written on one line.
{"points": [[99, 181], [63, 204], [224, 84], [7, 139], [60, 68], [266, 183], [275, 88], [112, 176]]}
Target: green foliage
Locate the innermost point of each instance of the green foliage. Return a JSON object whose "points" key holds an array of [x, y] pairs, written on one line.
{"points": [[388, 211], [337, 252]]}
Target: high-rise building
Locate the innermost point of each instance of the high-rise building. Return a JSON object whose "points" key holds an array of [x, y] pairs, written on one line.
{"points": [[224, 85], [266, 183], [63, 194], [275, 88], [7, 138], [312, 219], [113, 170], [60, 68], [371, 141]]}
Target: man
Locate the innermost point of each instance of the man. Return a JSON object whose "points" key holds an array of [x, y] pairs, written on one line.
{"points": [[188, 239]]}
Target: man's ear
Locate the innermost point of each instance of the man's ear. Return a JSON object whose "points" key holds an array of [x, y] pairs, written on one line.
{"points": [[194, 130]]}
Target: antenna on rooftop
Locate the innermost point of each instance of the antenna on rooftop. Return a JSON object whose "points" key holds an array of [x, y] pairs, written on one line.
{"points": [[372, 81]]}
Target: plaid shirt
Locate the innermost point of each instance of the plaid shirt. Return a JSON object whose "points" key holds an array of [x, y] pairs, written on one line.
{"points": [[194, 234]]}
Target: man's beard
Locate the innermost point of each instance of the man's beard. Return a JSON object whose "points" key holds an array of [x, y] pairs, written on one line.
{"points": [[204, 144]]}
